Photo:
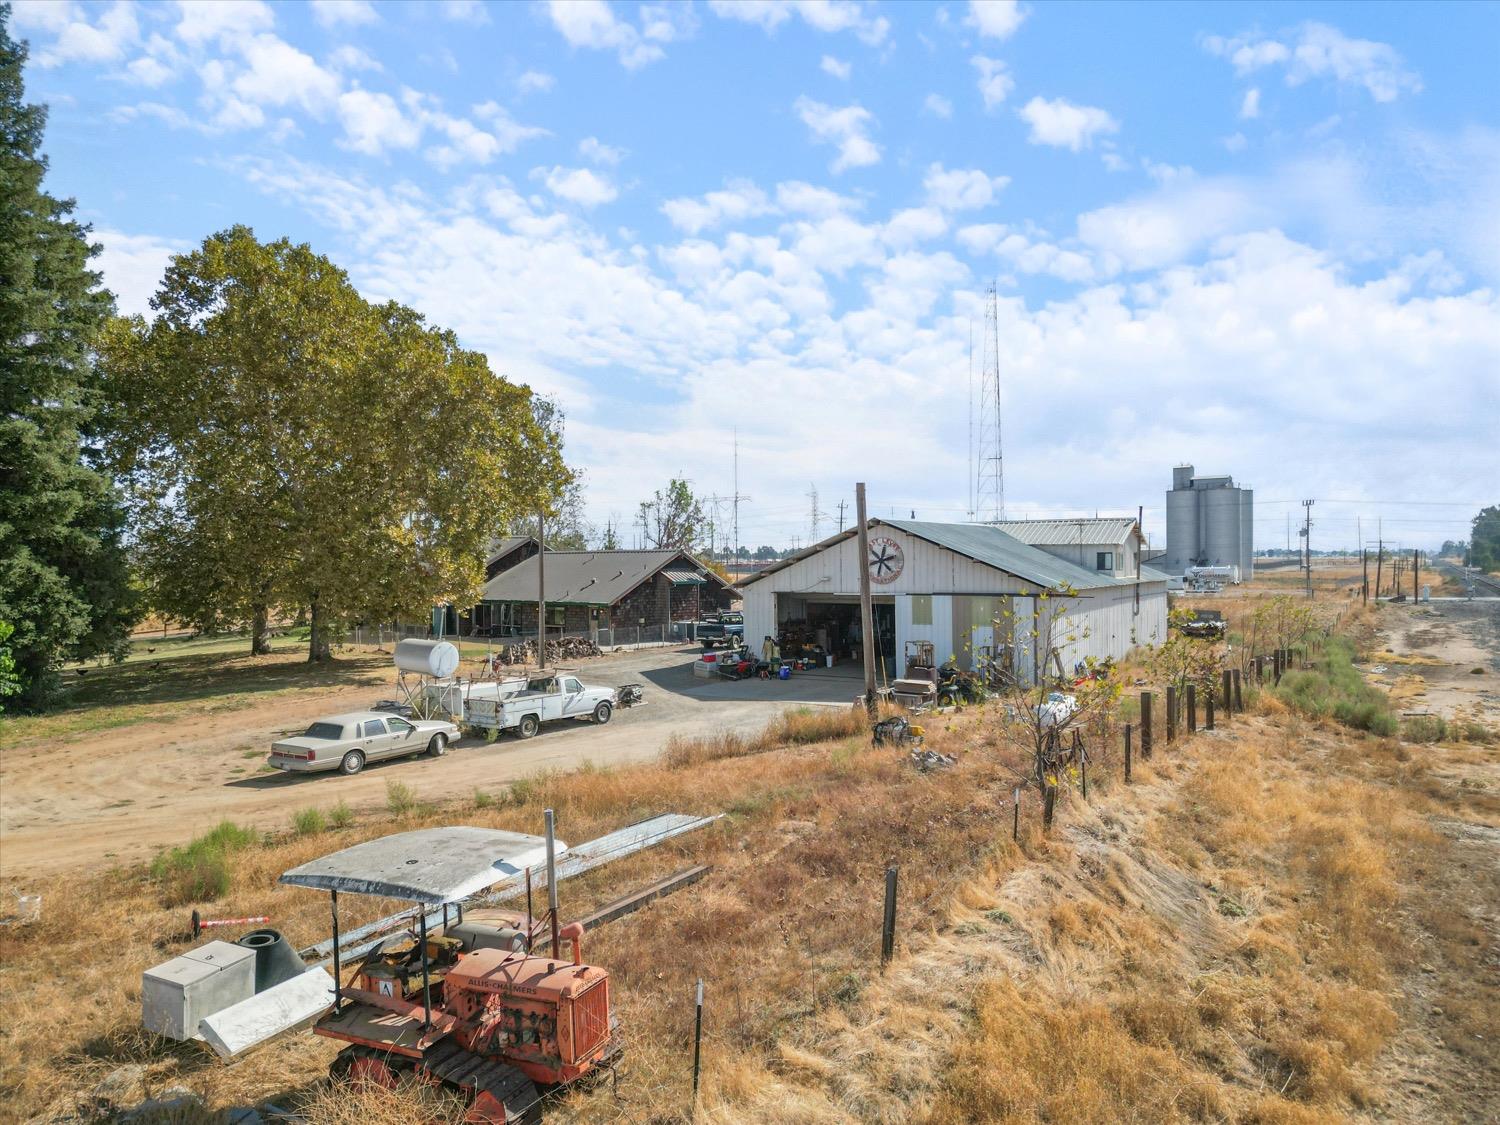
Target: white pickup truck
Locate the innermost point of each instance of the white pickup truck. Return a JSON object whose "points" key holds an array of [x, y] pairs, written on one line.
{"points": [[545, 699]]}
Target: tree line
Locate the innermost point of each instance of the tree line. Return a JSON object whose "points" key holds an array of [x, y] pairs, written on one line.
{"points": [[266, 444]]}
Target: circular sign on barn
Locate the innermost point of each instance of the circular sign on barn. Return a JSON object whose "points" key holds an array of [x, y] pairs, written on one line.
{"points": [[886, 560]]}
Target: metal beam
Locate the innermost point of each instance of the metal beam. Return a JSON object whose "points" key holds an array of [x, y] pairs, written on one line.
{"points": [[630, 903]]}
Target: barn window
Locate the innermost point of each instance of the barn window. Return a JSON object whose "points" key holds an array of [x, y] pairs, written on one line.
{"points": [[1104, 560], [921, 609]]}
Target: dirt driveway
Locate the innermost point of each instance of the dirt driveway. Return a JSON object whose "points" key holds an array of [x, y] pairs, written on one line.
{"points": [[117, 797], [1442, 658]]}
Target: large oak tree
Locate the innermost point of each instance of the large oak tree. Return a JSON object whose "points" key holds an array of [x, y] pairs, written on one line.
{"points": [[292, 446]]}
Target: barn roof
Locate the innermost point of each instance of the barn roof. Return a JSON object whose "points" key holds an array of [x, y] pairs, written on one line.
{"points": [[1062, 533], [984, 543], [593, 577]]}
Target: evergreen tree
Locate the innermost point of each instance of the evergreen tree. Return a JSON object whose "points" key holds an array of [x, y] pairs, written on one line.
{"points": [[64, 582]]}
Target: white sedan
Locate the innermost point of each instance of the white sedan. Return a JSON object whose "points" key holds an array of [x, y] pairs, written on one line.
{"points": [[346, 742]]}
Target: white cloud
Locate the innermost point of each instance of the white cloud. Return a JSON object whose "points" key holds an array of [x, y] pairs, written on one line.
{"points": [[596, 151], [739, 200], [133, 266], [847, 129], [279, 74], [995, 19], [937, 105], [800, 198], [374, 123], [465, 11], [224, 20], [350, 58], [1316, 50], [1162, 229], [508, 133], [836, 68], [341, 13], [1062, 124], [995, 82], [535, 81], [823, 15], [961, 189], [1250, 106], [149, 70], [577, 185], [913, 225], [592, 24], [79, 40], [1236, 142]]}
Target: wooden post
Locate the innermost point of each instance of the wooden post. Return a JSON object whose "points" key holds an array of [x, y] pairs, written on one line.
{"points": [[1379, 566], [541, 592], [888, 926], [1015, 824], [1416, 566], [1364, 581], [697, 1043], [1127, 751], [338, 988], [1239, 699], [1192, 706], [1228, 693], [1145, 724], [1049, 805], [1083, 762], [1208, 709], [1171, 712], [866, 606]]}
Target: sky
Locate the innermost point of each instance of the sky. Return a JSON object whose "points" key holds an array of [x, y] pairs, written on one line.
{"points": [[1261, 238]]}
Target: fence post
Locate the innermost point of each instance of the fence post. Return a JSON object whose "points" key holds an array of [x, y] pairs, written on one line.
{"points": [[888, 925], [1015, 826], [1228, 694], [1208, 709], [1171, 712], [1192, 706], [1239, 699], [1145, 724], [1127, 751], [1049, 805], [697, 1044]]}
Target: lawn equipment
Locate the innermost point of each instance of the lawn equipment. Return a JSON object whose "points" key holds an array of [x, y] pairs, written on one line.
{"points": [[468, 1004]]}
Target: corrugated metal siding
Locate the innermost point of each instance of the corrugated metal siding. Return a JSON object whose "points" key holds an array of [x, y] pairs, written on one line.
{"points": [[1045, 533]]}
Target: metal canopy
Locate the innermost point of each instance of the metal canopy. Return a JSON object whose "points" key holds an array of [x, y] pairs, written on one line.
{"points": [[429, 865]]}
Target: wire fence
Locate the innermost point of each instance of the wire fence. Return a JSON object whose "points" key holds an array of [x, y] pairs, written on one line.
{"points": [[633, 636]]}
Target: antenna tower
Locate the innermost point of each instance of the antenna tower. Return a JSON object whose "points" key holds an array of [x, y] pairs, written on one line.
{"points": [[989, 465], [816, 516]]}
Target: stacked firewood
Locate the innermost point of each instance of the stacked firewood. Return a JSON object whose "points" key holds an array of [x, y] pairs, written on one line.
{"points": [[524, 652]]}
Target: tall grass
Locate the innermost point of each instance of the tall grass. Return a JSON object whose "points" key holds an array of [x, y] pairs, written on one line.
{"points": [[1334, 688], [790, 728], [308, 822], [201, 870], [400, 798]]}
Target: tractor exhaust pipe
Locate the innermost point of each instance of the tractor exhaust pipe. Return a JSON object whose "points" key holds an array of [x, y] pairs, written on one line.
{"points": [[573, 932], [552, 880]]}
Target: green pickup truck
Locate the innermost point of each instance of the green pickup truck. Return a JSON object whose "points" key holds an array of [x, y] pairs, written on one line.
{"points": [[727, 628]]}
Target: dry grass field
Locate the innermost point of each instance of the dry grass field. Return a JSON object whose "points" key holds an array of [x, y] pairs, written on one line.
{"points": [[1280, 921]]}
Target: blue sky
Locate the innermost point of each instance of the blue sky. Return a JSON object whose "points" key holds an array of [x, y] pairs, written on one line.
{"points": [[1263, 238]]}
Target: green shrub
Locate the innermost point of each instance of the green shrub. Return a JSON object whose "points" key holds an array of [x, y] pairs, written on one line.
{"points": [[482, 800], [399, 797], [341, 815], [1334, 688], [523, 791], [309, 822], [199, 871], [1424, 728]]}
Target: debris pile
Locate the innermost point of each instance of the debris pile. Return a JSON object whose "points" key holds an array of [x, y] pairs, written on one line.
{"points": [[926, 760], [524, 652]]}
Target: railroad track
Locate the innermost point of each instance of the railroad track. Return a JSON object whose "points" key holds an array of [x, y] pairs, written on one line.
{"points": [[1484, 584]]}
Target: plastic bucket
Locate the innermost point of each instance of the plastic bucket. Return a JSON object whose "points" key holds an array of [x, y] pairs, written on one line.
{"points": [[784, 673]]}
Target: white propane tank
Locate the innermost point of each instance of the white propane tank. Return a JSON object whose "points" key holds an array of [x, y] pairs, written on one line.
{"points": [[438, 659]]}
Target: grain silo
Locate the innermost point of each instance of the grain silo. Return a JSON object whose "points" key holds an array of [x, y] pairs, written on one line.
{"points": [[1210, 522]]}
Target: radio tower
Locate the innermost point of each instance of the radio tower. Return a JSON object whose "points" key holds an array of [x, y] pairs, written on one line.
{"points": [[989, 465]]}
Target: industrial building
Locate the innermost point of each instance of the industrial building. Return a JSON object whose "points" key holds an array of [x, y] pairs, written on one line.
{"points": [[1210, 522], [974, 591]]}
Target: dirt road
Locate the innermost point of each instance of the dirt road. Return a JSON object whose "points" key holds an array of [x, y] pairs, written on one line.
{"points": [[117, 797], [1442, 658]]}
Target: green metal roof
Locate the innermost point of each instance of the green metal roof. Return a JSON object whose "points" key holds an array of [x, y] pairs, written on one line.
{"points": [[990, 545]]}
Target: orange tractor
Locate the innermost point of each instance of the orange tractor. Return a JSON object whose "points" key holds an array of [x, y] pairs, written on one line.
{"points": [[461, 999]]}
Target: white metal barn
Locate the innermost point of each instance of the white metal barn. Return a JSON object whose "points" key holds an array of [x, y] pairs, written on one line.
{"points": [[973, 590]]}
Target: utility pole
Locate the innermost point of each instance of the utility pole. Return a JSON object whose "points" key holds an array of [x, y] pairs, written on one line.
{"points": [[1364, 582], [1307, 542], [1379, 566], [541, 591], [1416, 568], [866, 606], [842, 505]]}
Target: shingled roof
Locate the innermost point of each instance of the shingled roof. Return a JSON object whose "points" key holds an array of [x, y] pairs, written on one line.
{"points": [[592, 577]]}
